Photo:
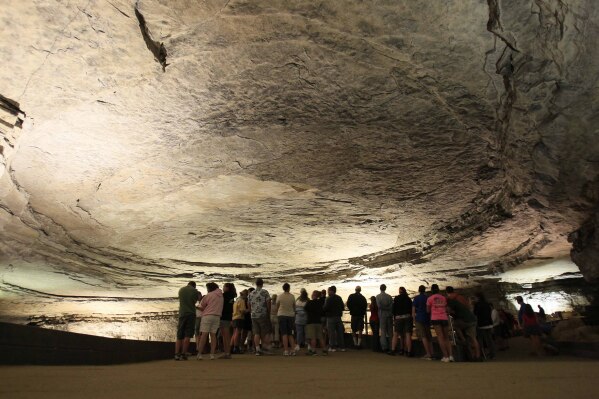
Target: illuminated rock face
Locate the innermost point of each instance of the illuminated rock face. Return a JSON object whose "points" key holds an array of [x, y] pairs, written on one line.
{"points": [[316, 142]]}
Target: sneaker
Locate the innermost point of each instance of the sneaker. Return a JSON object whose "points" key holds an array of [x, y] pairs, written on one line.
{"points": [[325, 352], [183, 356], [294, 353], [199, 356], [212, 357], [332, 350], [451, 359], [311, 353], [426, 357], [177, 357], [258, 353], [445, 360], [297, 348], [342, 350], [286, 353]]}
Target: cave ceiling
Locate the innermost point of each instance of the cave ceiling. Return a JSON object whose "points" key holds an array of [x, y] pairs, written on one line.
{"points": [[146, 143]]}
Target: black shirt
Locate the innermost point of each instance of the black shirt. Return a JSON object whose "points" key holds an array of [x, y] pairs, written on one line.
{"points": [[229, 299], [402, 304], [357, 304], [483, 310], [333, 307], [314, 311]]}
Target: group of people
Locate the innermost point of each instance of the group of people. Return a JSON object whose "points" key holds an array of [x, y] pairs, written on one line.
{"points": [[254, 321]]}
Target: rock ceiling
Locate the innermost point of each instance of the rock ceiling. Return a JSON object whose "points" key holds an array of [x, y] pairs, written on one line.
{"points": [[145, 143]]}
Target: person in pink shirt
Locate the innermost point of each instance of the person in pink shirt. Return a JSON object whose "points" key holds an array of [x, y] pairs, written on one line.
{"points": [[212, 309], [436, 305]]}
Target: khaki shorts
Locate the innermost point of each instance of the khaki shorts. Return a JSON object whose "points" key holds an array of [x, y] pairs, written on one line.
{"points": [[261, 326], [423, 330], [314, 331], [210, 324]]}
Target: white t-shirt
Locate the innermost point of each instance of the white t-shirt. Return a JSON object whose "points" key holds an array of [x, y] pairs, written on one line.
{"points": [[286, 305]]}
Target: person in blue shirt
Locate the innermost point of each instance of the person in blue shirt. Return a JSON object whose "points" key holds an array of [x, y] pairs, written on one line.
{"points": [[422, 321]]}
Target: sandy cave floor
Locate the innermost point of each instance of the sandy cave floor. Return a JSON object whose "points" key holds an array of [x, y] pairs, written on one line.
{"points": [[351, 375]]}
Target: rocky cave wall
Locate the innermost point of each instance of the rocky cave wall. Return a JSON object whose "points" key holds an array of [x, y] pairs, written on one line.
{"points": [[311, 141]]}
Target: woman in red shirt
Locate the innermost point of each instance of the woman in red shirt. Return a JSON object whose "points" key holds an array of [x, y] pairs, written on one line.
{"points": [[532, 329]]}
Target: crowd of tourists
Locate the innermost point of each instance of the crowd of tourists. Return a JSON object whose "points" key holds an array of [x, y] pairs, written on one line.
{"points": [[253, 321]]}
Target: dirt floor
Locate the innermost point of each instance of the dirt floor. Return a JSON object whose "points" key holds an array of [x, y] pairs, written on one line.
{"points": [[354, 374]]}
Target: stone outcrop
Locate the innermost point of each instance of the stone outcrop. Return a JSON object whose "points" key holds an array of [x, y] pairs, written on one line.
{"points": [[585, 248], [340, 141]]}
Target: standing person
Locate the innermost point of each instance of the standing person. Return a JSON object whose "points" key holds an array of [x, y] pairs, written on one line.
{"points": [[436, 305], [357, 305], [197, 333], [385, 305], [402, 323], [451, 294], [542, 316], [333, 308], [422, 322], [484, 317], [188, 296], [212, 309], [497, 328], [520, 302], [260, 305], [322, 299], [229, 295], [532, 329], [239, 312], [465, 324], [300, 319], [314, 333], [286, 313], [374, 325], [274, 322], [248, 337]]}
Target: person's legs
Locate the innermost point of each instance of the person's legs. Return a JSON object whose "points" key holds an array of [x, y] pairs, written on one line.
{"points": [[469, 330], [332, 332], [408, 343], [428, 346], [225, 330], [340, 333], [274, 321], [180, 337], [212, 343], [489, 343], [535, 340], [376, 340], [441, 340], [256, 331], [386, 331], [395, 339], [202, 344], [447, 342], [299, 328]]}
